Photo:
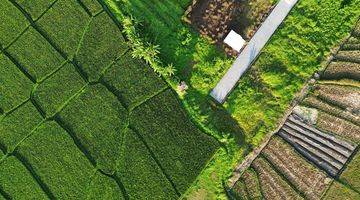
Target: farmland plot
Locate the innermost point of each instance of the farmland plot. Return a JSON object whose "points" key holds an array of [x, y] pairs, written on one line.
{"points": [[272, 184], [43, 58], [11, 77], [18, 182], [341, 127], [248, 186], [166, 136], [308, 179], [79, 114]]}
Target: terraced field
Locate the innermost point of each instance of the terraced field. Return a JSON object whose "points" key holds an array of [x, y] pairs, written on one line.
{"points": [[315, 153], [80, 118]]}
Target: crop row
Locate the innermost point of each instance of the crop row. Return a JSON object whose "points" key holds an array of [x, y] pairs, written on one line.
{"points": [[308, 179], [318, 104], [35, 10], [101, 44], [12, 23], [252, 184], [341, 96], [141, 175], [338, 126], [341, 70], [272, 184], [348, 56]]}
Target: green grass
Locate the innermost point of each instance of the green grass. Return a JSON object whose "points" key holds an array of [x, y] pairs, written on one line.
{"points": [[127, 77], [15, 87], [338, 190], [43, 58], [17, 182], [65, 33], [351, 175], [17, 125], [102, 44], [58, 162], [53, 92], [12, 23], [182, 154], [293, 54], [97, 119], [150, 180]]}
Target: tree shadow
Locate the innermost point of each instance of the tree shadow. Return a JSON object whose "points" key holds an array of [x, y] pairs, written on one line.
{"points": [[214, 116]]}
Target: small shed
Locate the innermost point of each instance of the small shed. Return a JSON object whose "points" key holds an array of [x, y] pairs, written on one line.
{"points": [[235, 41]]}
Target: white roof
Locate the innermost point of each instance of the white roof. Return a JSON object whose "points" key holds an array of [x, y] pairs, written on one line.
{"points": [[234, 40]]}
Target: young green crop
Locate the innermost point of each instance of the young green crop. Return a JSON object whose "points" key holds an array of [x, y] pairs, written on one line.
{"points": [[15, 87], [43, 58], [57, 161]]}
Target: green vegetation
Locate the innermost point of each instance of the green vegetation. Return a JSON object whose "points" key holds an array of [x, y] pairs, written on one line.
{"points": [[166, 135], [102, 187], [127, 77], [253, 109], [17, 181], [17, 125], [95, 112], [338, 190], [351, 176], [65, 33], [293, 54], [102, 43], [43, 58], [12, 23], [35, 9], [58, 88], [11, 77], [92, 5], [57, 161], [151, 182], [82, 117]]}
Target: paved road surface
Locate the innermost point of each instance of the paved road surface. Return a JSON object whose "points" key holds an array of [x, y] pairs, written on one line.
{"points": [[252, 50]]}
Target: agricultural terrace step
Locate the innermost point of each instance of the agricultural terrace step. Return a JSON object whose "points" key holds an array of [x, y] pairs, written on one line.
{"points": [[317, 145], [326, 151], [311, 157], [321, 154], [318, 140], [321, 134]]}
